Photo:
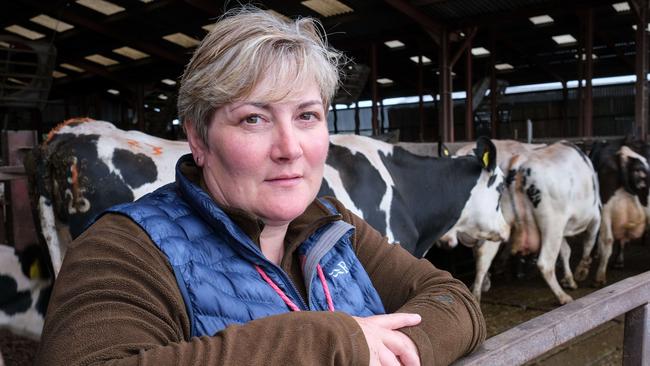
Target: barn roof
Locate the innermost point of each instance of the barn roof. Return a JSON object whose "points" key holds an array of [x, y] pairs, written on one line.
{"points": [[123, 45]]}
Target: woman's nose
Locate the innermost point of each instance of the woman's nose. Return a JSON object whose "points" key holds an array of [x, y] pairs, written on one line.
{"points": [[287, 144]]}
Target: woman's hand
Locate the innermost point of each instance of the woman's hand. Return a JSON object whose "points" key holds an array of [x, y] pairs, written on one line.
{"points": [[387, 345]]}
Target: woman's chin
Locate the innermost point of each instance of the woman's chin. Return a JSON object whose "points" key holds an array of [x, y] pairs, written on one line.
{"points": [[283, 212]]}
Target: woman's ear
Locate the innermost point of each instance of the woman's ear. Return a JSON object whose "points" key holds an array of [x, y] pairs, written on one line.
{"points": [[198, 148]]}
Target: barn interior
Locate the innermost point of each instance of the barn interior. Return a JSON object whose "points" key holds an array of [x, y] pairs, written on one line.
{"points": [[420, 70]]}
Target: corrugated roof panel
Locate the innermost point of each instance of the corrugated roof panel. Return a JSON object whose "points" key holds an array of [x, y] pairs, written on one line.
{"points": [[458, 9]]}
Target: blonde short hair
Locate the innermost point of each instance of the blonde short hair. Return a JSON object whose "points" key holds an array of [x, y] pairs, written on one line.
{"points": [[246, 46]]}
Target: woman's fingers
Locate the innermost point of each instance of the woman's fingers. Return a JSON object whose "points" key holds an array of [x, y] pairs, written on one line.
{"points": [[395, 321], [387, 345], [403, 347]]}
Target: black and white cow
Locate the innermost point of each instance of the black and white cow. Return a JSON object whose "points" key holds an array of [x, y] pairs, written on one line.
{"points": [[553, 194], [416, 200], [25, 287], [86, 166], [624, 181]]}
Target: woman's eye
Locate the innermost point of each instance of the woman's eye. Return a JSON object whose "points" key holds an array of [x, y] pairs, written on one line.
{"points": [[253, 120], [309, 116]]}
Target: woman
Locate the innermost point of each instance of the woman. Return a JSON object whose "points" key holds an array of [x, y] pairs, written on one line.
{"points": [[220, 266]]}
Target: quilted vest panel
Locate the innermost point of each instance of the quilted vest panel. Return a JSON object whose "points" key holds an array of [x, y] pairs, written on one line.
{"points": [[214, 261]]}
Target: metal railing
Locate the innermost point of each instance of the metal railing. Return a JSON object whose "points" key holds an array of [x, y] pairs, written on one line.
{"points": [[533, 338]]}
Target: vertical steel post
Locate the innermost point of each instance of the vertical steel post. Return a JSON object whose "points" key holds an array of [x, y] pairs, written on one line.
{"points": [[469, 98], [589, 73], [373, 68], [446, 123], [420, 99], [641, 98]]}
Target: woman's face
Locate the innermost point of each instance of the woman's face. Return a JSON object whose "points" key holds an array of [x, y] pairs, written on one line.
{"points": [[266, 158]]}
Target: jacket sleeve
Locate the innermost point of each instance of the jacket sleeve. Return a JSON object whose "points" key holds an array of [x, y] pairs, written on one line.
{"points": [[116, 302], [452, 323]]}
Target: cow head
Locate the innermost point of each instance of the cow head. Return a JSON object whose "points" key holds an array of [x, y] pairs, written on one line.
{"points": [[482, 216], [634, 173]]}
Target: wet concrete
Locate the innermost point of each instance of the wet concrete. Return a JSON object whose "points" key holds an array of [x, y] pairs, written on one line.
{"points": [[512, 301]]}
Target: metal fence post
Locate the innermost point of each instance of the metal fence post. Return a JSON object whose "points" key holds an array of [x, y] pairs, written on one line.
{"points": [[636, 340]]}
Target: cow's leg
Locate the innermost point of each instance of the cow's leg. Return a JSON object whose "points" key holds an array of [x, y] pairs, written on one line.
{"points": [[582, 270], [483, 255], [551, 243], [605, 244], [618, 263], [565, 254]]}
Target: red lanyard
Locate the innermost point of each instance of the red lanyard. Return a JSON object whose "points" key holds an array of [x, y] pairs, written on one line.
{"points": [[287, 300]]}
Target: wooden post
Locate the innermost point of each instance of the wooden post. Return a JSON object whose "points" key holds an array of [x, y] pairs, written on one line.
{"points": [[636, 337]]}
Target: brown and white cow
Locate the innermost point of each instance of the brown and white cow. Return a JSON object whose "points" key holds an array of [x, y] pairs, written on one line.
{"points": [[623, 178]]}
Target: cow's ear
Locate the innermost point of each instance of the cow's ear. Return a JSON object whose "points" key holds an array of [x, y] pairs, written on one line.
{"points": [[486, 153], [443, 150]]}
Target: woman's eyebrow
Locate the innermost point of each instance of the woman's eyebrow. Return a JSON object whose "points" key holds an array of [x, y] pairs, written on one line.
{"points": [[261, 105], [310, 103]]}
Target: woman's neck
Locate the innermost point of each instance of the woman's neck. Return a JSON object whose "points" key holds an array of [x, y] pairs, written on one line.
{"points": [[272, 242]]}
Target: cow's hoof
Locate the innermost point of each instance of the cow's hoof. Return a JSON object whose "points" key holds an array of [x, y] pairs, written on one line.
{"points": [[565, 299], [569, 283], [582, 271]]}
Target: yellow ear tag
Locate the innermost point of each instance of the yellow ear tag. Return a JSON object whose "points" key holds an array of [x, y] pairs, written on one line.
{"points": [[486, 158], [35, 270], [446, 152]]}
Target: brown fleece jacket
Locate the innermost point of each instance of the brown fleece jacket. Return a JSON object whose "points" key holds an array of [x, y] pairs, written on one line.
{"points": [[116, 302]]}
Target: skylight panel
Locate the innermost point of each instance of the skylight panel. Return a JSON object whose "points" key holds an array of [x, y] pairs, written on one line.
{"points": [[169, 82], [384, 81], [24, 32], [58, 74], [541, 19], [181, 39], [564, 39], [131, 53], [480, 51], [394, 44], [101, 6], [209, 27], [72, 67], [113, 91], [327, 8], [52, 23], [5, 44], [102, 60], [162, 97], [621, 7], [647, 28], [425, 60], [504, 66]]}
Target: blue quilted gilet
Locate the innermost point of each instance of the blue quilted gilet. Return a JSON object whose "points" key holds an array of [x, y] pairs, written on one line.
{"points": [[214, 261]]}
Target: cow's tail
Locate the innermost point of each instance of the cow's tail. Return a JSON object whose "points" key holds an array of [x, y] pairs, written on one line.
{"points": [[525, 236]]}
